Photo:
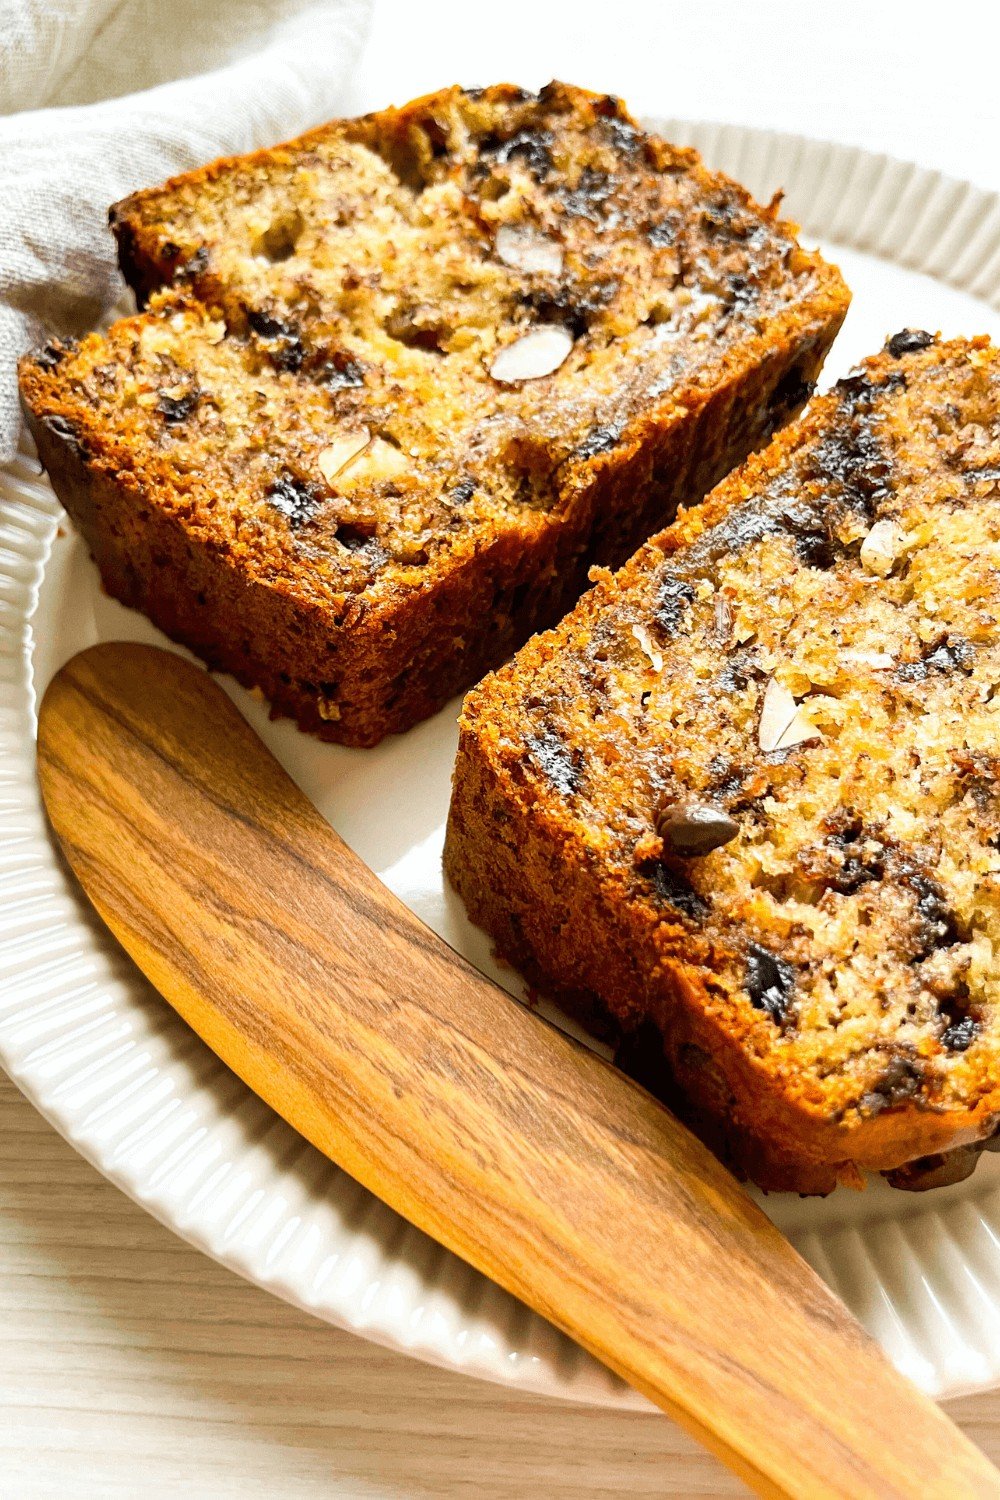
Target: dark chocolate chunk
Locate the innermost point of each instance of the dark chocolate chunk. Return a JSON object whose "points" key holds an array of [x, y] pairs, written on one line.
{"points": [[695, 828], [533, 147], [743, 527], [942, 1169], [845, 827], [988, 472], [289, 352], [855, 387], [816, 549], [673, 598], [295, 499], [289, 355], [665, 232], [938, 923], [599, 441], [901, 1078], [815, 541], [913, 671], [462, 492], [354, 535], [908, 341], [195, 264], [849, 461], [588, 199], [561, 765], [268, 326], [850, 861], [726, 778], [863, 388], [516, 94], [722, 215], [942, 656], [341, 375], [740, 670], [770, 982], [674, 888], [741, 294], [952, 656], [366, 549], [574, 304], [980, 772], [851, 875], [960, 1035], [624, 137], [176, 409], [49, 357]]}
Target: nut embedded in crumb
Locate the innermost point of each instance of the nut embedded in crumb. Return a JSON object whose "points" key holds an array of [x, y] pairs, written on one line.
{"points": [[882, 547], [723, 613], [537, 353], [339, 454], [645, 640], [782, 722], [526, 250], [878, 661]]}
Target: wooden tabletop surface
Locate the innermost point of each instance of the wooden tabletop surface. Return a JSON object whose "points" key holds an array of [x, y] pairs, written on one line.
{"points": [[131, 1365]]}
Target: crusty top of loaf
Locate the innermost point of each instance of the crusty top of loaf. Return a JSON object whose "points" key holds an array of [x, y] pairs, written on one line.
{"points": [[815, 653], [321, 381]]}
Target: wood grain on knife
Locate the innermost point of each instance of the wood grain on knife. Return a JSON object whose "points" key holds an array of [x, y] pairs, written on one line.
{"points": [[517, 1149]]}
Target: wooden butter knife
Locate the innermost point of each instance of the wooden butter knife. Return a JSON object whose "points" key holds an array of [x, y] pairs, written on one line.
{"points": [[489, 1129]]}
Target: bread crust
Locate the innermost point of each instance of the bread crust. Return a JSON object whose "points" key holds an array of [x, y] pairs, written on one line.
{"points": [[376, 661], [546, 881], [390, 665], [526, 883]]}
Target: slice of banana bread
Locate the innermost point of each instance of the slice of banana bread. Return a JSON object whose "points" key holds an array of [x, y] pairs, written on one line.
{"points": [[406, 377], [746, 797]]}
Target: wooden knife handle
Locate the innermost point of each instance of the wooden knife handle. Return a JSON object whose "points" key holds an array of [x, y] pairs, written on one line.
{"points": [[519, 1150]]}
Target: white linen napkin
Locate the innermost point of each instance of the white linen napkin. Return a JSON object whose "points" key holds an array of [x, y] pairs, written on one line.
{"points": [[99, 97]]}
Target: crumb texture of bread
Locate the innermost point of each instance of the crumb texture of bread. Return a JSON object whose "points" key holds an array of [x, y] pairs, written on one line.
{"points": [[745, 799], [400, 382]]}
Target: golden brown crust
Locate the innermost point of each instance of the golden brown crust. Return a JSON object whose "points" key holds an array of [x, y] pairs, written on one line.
{"points": [[823, 978], [382, 668], [356, 283]]}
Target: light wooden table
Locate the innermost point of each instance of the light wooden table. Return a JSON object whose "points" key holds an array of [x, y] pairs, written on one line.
{"points": [[129, 1364]]}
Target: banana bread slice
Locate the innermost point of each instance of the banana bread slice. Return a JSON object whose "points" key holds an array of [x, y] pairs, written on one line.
{"points": [[402, 380], [745, 799]]}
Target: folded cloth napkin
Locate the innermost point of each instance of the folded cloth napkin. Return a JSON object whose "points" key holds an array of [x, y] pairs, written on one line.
{"points": [[213, 76]]}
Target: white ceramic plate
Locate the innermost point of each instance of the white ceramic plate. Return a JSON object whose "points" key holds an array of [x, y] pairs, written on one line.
{"points": [[141, 1097]]}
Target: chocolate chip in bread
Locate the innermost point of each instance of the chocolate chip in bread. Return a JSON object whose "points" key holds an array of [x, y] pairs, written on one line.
{"points": [[812, 657], [399, 382]]}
